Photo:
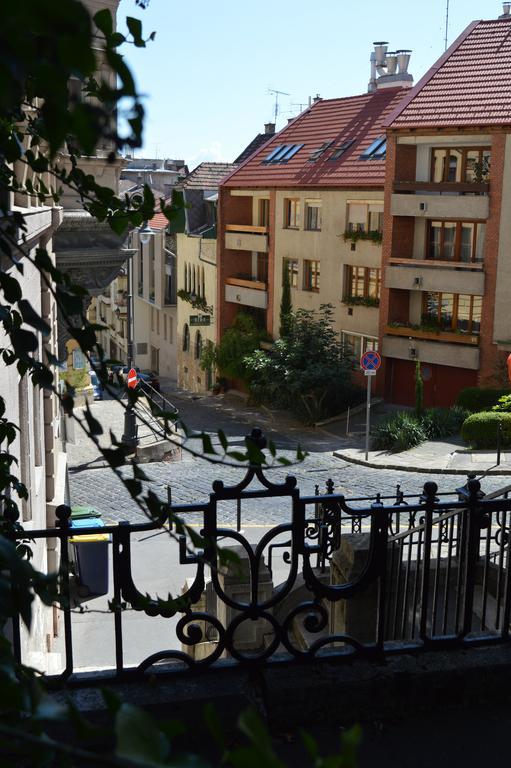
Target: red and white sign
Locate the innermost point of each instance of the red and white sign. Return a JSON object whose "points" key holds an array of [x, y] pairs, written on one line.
{"points": [[132, 378]]}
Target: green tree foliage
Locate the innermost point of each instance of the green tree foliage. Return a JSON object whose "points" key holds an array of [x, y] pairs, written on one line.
{"points": [[286, 306], [238, 342], [308, 371]]}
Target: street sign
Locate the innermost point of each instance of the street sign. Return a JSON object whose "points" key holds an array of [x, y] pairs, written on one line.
{"points": [[200, 320], [370, 361], [132, 378], [369, 373]]}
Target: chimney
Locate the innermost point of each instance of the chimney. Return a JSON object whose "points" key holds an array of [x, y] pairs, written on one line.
{"points": [[316, 98], [269, 129], [507, 11], [389, 69]]}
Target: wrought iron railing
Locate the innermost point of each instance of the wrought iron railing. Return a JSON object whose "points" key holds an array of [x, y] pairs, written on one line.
{"points": [[369, 576]]}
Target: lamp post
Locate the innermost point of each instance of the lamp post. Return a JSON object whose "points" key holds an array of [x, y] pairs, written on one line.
{"points": [[129, 437]]}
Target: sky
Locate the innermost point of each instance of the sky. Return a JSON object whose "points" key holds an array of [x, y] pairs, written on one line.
{"points": [[206, 77]]}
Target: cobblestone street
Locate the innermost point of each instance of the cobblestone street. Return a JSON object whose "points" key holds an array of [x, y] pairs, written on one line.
{"points": [[190, 480]]}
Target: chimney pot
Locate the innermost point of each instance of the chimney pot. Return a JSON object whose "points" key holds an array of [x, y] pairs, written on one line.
{"points": [[269, 128], [317, 98], [507, 11]]}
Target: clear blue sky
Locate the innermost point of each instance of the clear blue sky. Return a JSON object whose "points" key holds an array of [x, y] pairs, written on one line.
{"points": [[206, 75]]}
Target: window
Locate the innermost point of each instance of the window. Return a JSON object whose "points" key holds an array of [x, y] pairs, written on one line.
{"points": [[292, 213], [365, 217], [341, 149], [358, 345], [170, 284], [186, 338], [456, 241], [363, 283], [282, 153], [292, 266], [375, 151], [141, 271], [452, 312], [198, 345], [311, 275], [320, 150], [460, 165], [152, 267], [264, 212], [313, 215]]}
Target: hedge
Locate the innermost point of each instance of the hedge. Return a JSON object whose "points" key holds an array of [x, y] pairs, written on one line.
{"points": [[480, 429], [477, 399]]}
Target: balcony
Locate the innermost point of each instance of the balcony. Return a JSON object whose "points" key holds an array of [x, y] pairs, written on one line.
{"points": [[454, 351], [246, 290], [432, 335], [435, 201], [246, 237], [436, 276]]}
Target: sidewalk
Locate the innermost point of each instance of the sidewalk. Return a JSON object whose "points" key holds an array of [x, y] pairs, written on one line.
{"points": [[436, 456]]}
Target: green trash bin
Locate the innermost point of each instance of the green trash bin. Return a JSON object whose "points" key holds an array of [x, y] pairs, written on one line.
{"points": [[80, 512], [91, 555]]}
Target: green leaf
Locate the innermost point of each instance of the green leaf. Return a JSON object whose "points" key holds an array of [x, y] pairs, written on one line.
{"points": [[135, 28], [138, 737], [103, 21]]}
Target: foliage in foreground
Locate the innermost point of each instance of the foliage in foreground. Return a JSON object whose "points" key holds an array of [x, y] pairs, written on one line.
{"points": [[476, 399], [480, 430], [404, 430], [308, 372]]}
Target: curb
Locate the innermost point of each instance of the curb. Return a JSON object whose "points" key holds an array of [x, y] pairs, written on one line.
{"points": [[422, 470]]}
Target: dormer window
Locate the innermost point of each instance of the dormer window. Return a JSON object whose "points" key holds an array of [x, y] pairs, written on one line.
{"points": [[282, 153], [375, 151]]}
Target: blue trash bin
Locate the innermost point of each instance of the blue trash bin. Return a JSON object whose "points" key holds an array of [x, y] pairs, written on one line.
{"points": [[91, 555]]}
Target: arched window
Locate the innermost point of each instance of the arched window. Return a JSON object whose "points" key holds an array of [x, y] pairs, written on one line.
{"points": [[194, 283], [203, 281], [186, 338], [198, 345]]}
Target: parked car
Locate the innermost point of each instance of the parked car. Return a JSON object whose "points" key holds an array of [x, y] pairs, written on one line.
{"points": [[97, 387], [149, 377]]}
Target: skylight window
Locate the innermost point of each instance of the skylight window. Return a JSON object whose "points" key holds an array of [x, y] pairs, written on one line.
{"points": [[318, 152], [341, 149], [282, 153], [375, 151]]}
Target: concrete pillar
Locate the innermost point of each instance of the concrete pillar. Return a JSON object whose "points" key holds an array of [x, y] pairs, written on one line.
{"points": [[355, 617]]}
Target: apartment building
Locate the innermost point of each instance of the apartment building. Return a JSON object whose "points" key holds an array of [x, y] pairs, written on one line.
{"points": [[311, 201], [447, 238], [196, 248]]}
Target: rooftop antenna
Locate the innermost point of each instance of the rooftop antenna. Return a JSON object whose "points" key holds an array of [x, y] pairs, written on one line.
{"points": [[446, 25], [276, 93]]}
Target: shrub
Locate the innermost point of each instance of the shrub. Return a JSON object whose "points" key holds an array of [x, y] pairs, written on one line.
{"points": [[504, 404], [476, 399], [398, 433], [443, 422], [480, 429]]}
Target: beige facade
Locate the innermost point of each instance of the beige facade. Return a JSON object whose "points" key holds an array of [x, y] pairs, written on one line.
{"points": [[38, 446], [196, 324], [154, 303]]}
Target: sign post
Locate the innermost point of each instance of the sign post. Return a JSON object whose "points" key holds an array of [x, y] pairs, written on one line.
{"points": [[369, 362]]}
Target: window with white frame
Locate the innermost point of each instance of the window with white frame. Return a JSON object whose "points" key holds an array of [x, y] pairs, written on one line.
{"points": [[357, 344], [313, 215], [365, 217]]}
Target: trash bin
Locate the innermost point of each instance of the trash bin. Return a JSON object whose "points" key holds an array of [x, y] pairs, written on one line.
{"points": [[78, 512], [91, 555]]}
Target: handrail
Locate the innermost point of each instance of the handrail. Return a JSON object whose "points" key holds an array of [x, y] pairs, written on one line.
{"points": [[473, 265]]}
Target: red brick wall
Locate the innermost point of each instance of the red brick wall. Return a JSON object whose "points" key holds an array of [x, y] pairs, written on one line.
{"points": [[403, 230], [406, 162], [490, 367], [399, 306]]}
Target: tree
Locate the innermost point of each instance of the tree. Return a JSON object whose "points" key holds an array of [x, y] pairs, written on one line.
{"points": [[286, 306], [238, 341], [308, 371]]}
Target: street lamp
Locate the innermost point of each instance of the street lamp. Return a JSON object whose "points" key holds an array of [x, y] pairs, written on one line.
{"points": [[129, 437]]}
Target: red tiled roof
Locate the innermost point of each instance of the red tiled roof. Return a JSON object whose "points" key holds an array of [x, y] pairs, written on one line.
{"points": [[470, 85], [207, 175], [356, 117], [159, 221]]}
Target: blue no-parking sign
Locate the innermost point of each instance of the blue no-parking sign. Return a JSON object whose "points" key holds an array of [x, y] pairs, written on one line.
{"points": [[370, 361]]}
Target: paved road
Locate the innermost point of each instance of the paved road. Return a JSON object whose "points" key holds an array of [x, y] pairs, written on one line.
{"points": [[191, 479]]}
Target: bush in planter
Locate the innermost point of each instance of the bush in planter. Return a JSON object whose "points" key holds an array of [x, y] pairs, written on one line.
{"points": [[398, 433], [476, 399], [481, 429], [443, 422]]}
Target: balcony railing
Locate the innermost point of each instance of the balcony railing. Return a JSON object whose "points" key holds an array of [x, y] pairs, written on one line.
{"points": [[246, 228], [448, 188], [246, 281], [431, 572], [432, 335], [246, 237], [437, 263]]}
